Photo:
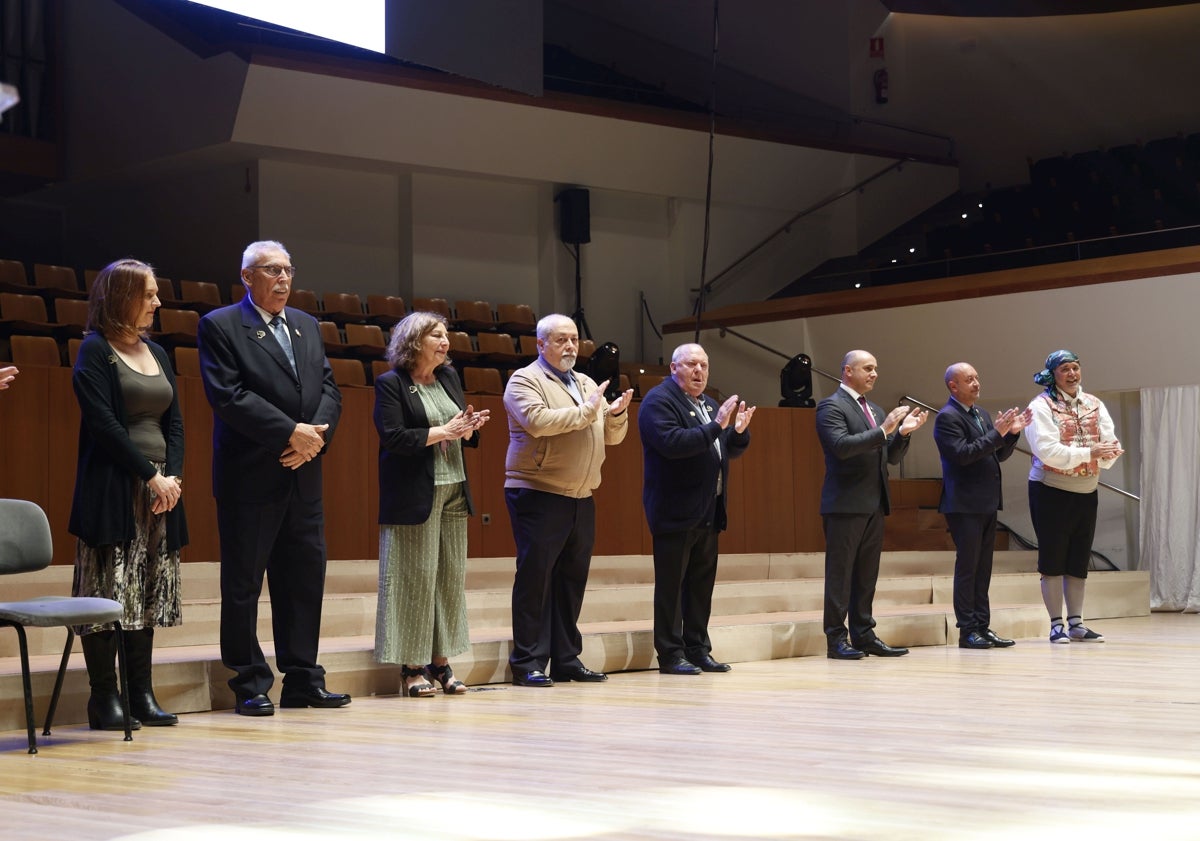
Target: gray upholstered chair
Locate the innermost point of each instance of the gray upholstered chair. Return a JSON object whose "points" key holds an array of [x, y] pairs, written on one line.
{"points": [[25, 546]]}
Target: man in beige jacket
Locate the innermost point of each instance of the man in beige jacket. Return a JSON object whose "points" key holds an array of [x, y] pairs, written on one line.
{"points": [[558, 426]]}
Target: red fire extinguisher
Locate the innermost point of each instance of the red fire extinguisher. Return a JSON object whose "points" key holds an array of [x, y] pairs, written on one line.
{"points": [[881, 86]]}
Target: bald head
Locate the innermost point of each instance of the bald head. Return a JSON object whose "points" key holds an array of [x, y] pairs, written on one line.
{"points": [[859, 371], [962, 382], [689, 368]]}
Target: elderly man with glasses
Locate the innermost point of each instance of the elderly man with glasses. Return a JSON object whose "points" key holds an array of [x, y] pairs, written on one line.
{"points": [[276, 407]]}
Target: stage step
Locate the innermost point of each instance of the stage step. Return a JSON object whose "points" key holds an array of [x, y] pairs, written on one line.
{"points": [[764, 607]]}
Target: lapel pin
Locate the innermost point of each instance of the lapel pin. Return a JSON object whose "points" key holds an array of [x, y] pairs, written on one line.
{"points": [[259, 334], [412, 389]]}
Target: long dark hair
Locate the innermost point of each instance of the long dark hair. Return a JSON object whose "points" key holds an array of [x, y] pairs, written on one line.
{"points": [[115, 294]]}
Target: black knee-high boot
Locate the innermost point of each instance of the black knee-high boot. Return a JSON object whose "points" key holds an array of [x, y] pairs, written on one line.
{"points": [[142, 704], [104, 705]]}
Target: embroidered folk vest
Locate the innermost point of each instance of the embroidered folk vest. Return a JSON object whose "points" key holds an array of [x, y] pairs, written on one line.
{"points": [[1078, 426]]}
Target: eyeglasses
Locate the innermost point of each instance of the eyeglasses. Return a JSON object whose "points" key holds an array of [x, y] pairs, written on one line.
{"points": [[276, 271]]}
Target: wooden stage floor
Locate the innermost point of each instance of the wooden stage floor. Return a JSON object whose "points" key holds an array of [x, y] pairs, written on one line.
{"points": [[1037, 741]]}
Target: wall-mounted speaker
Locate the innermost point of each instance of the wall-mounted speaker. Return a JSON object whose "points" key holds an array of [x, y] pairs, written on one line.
{"points": [[575, 226]]}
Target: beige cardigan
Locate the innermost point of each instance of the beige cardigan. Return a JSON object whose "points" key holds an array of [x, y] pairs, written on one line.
{"points": [[555, 444]]}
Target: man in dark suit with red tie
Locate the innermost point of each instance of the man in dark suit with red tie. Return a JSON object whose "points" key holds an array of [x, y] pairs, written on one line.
{"points": [[687, 442], [859, 441], [275, 407], [971, 447]]}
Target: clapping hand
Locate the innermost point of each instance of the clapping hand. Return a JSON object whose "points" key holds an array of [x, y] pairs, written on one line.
{"points": [[913, 421]]}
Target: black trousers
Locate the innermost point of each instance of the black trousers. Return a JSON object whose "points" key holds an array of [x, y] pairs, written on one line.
{"points": [[974, 543], [285, 540], [1065, 525], [685, 570], [554, 536], [852, 546]]}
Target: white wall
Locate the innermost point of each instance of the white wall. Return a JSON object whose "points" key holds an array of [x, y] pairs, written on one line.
{"points": [[340, 226], [475, 239]]}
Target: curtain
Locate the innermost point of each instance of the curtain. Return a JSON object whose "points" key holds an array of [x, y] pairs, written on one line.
{"points": [[1170, 518]]}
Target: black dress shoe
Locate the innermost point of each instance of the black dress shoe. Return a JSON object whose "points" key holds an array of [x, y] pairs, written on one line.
{"points": [[581, 673], [881, 649], [254, 705], [534, 678], [997, 640], [677, 666], [314, 697], [708, 664], [973, 640], [842, 650]]}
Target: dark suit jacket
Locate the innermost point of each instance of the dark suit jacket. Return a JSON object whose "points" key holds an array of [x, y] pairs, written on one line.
{"points": [[257, 401], [109, 463], [970, 460], [681, 464], [406, 463], [856, 456]]}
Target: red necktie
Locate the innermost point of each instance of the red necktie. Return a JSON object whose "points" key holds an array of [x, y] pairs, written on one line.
{"points": [[870, 417]]}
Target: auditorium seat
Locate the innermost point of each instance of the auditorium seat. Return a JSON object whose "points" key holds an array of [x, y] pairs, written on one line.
{"points": [[645, 382], [516, 319], [482, 381], [26, 314], [378, 367], [12, 273], [177, 327], [348, 372], [36, 350], [528, 347], [586, 348], [332, 337], [498, 349], [73, 346], [365, 340], [187, 361], [303, 299], [461, 349], [385, 310], [439, 305], [199, 295], [473, 316], [71, 311], [55, 277], [343, 308], [237, 291], [166, 289]]}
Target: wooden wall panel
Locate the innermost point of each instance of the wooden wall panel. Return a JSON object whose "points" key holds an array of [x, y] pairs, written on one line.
{"points": [[351, 486], [808, 472], [764, 484], [620, 519], [198, 502], [774, 488]]}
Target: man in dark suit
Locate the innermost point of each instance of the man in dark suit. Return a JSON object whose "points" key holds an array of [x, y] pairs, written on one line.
{"points": [[859, 442], [971, 448], [276, 406], [687, 442]]}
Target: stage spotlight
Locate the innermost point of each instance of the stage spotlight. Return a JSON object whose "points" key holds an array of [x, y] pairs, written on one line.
{"points": [[8, 97], [795, 383], [605, 364]]}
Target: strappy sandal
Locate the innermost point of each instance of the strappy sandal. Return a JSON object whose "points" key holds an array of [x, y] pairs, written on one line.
{"points": [[421, 689], [445, 676]]}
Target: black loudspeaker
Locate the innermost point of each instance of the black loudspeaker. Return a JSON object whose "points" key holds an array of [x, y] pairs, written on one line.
{"points": [[795, 383], [575, 221]]}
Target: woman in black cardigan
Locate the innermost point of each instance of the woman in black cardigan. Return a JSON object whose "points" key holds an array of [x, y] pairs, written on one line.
{"points": [[424, 501], [126, 512]]}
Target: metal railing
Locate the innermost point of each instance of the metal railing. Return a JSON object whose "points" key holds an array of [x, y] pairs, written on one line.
{"points": [[707, 288]]}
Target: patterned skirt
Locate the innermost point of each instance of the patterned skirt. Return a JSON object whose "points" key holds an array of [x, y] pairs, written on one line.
{"points": [[142, 575]]}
